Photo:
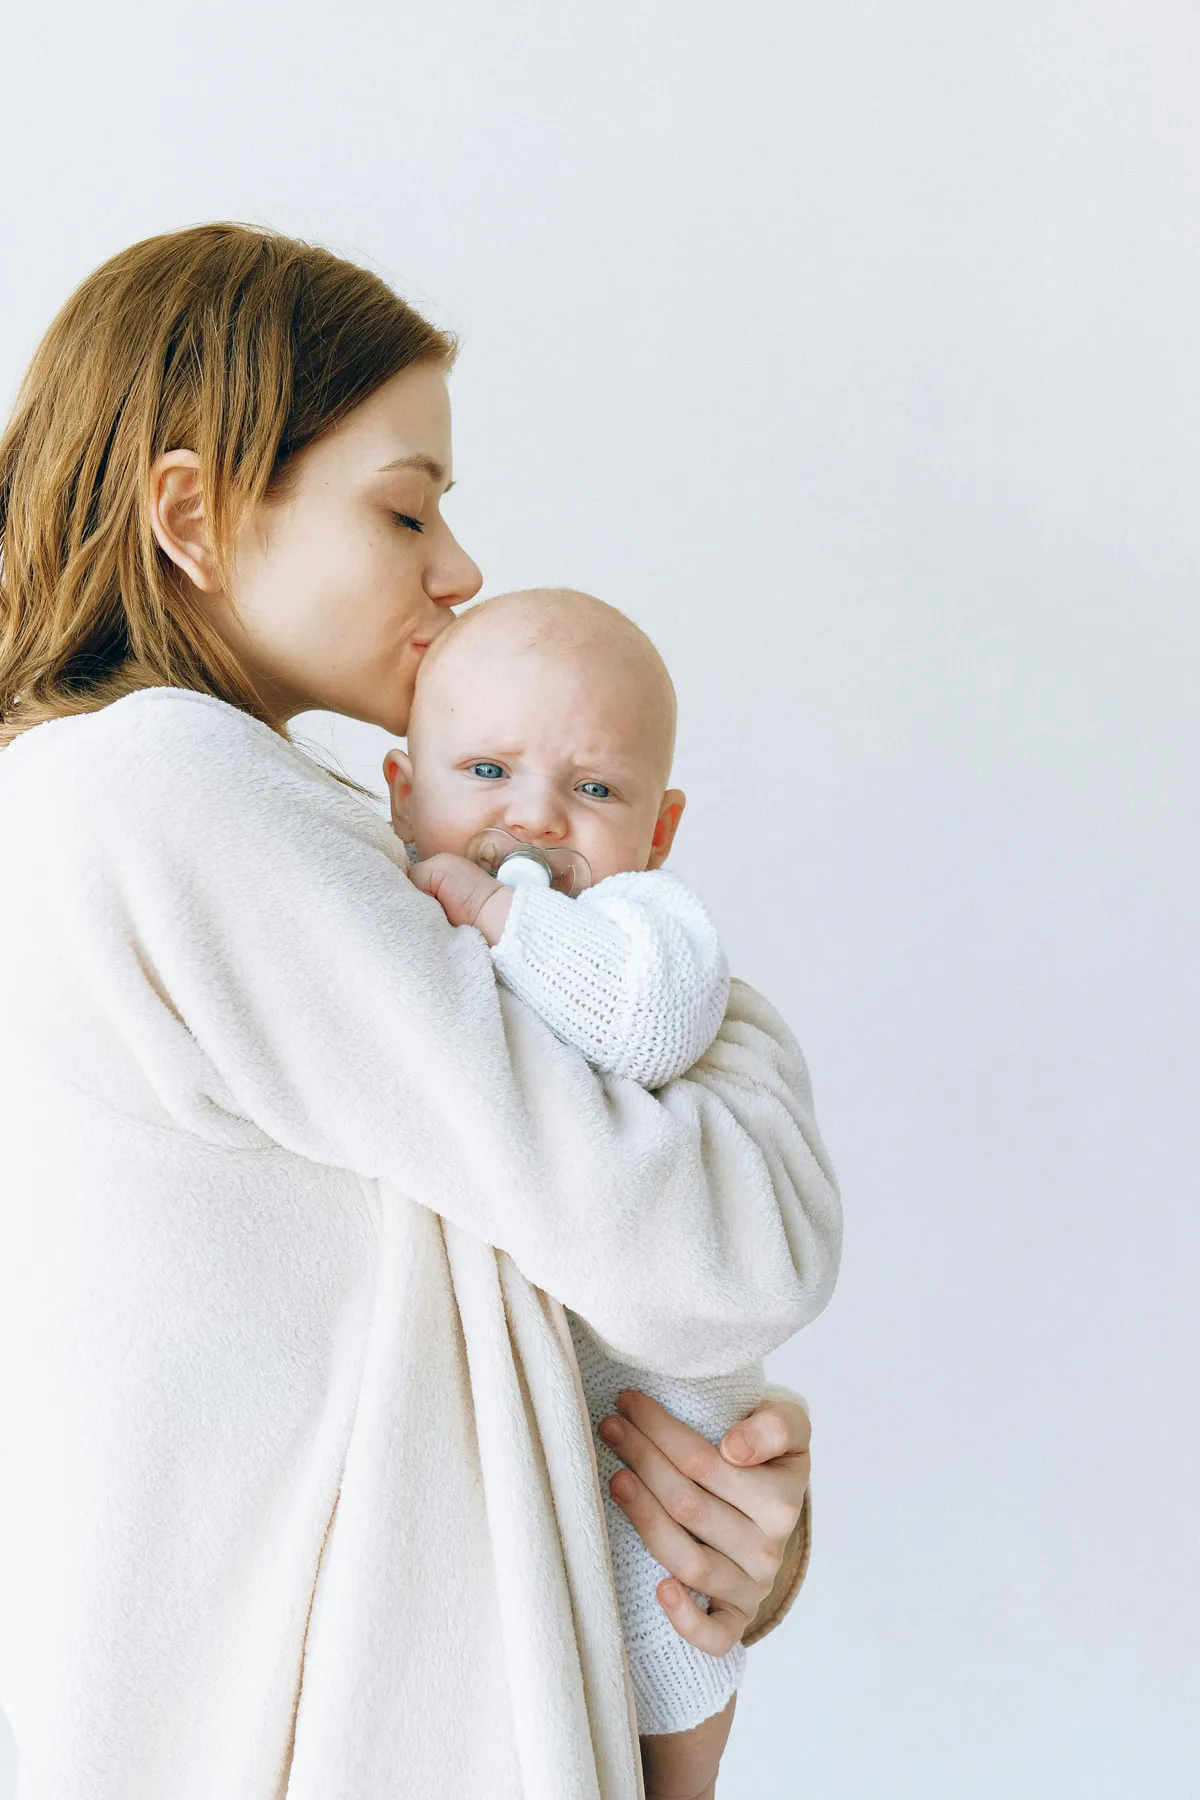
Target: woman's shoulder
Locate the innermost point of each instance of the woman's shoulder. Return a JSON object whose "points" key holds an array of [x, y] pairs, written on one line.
{"points": [[160, 736], [167, 752], [169, 721]]}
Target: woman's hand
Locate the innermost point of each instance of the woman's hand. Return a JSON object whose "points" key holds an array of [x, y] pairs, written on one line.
{"points": [[741, 1501]]}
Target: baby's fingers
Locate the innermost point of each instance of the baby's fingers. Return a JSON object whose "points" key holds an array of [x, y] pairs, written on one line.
{"points": [[461, 888]]}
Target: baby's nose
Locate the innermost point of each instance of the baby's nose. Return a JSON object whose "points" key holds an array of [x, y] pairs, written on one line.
{"points": [[535, 813]]}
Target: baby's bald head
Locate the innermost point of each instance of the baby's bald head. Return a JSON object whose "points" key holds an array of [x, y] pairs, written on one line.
{"points": [[575, 632], [554, 689]]}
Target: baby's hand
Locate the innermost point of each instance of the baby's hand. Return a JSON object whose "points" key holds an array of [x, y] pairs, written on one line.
{"points": [[466, 893]]}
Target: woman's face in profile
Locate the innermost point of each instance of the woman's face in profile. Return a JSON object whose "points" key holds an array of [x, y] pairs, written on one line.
{"points": [[337, 586]]}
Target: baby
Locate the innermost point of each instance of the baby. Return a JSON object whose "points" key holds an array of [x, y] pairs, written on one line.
{"points": [[547, 719]]}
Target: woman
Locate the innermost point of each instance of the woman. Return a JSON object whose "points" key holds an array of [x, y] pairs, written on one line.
{"points": [[300, 1495]]}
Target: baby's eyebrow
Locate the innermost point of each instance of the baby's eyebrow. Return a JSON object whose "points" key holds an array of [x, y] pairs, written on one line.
{"points": [[426, 464]]}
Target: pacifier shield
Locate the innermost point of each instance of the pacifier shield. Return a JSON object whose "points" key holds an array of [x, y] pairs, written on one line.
{"points": [[518, 864]]}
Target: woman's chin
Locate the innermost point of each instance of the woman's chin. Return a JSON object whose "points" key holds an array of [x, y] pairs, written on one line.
{"points": [[390, 715], [393, 719]]}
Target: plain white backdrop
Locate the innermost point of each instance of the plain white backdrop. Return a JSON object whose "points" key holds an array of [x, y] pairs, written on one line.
{"points": [[854, 349]]}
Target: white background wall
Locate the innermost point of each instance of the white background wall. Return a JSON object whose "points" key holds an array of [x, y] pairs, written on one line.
{"points": [[854, 348]]}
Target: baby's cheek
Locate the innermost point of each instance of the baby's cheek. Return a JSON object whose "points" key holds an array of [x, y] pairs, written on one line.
{"points": [[614, 851], [437, 832], [438, 843]]}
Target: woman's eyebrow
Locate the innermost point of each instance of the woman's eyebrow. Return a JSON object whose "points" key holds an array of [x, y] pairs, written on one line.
{"points": [[426, 464]]}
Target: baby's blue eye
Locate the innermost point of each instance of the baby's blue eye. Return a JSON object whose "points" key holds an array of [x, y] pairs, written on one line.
{"points": [[595, 790], [489, 771]]}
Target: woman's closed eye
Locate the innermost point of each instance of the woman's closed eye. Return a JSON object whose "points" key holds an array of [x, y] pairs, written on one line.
{"points": [[408, 522]]}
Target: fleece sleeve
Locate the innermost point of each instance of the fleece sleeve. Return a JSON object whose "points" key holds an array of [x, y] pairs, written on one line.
{"points": [[631, 973], [261, 913]]}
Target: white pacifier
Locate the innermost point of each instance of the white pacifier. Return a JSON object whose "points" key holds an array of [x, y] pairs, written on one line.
{"points": [[520, 865], [518, 870]]}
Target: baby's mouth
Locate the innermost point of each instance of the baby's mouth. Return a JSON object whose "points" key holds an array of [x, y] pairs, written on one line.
{"points": [[529, 865]]}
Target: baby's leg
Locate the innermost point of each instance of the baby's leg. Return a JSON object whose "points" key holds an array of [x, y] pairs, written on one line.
{"points": [[675, 1685]]}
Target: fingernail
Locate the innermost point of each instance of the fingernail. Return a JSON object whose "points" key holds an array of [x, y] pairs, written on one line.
{"points": [[622, 1486], [671, 1593], [738, 1446], [612, 1430]]}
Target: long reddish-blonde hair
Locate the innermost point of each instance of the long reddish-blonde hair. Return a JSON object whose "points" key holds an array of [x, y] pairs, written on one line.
{"points": [[234, 342]]}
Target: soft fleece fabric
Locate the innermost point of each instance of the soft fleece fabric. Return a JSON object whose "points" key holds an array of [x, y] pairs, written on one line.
{"points": [[298, 1495]]}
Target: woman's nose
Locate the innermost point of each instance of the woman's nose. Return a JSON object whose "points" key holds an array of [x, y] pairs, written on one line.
{"points": [[453, 579]]}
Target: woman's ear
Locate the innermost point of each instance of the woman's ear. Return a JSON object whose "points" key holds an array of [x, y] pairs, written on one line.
{"points": [[667, 824], [178, 518], [398, 773]]}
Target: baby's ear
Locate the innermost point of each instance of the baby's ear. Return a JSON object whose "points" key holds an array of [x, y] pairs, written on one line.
{"points": [[398, 773], [667, 824]]}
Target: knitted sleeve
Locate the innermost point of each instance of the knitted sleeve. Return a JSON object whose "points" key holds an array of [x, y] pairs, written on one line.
{"points": [[675, 1685], [631, 973]]}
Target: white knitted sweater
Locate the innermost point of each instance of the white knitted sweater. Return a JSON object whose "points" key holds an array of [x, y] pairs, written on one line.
{"points": [[632, 974]]}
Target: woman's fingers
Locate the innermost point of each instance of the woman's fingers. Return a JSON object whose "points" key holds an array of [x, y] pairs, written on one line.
{"points": [[697, 1565], [690, 1453], [714, 1632], [771, 1497], [743, 1508], [700, 1513], [775, 1428]]}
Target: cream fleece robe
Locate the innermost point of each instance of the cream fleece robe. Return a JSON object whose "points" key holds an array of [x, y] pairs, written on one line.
{"points": [[298, 1495]]}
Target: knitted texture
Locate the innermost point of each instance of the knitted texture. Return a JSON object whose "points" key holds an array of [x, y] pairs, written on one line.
{"points": [[675, 1685], [631, 973]]}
